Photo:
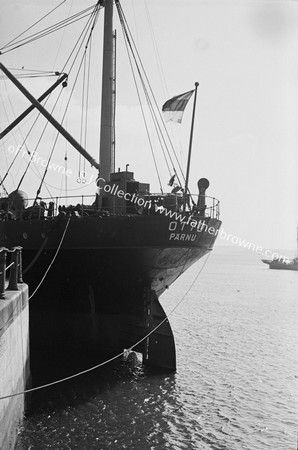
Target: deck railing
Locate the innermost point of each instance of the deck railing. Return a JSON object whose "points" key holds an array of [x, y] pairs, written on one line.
{"points": [[173, 202], [145, 204]]}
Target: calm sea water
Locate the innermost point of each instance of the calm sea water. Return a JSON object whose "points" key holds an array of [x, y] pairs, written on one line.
{"points": [[236, 382]]}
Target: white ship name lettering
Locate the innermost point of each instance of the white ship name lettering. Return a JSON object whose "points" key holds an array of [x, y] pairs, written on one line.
{"points": [[182, 237]]}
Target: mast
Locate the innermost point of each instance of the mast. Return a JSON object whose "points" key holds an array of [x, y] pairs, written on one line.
{"points": [[190, 145], [106, 126], [114, 102]]}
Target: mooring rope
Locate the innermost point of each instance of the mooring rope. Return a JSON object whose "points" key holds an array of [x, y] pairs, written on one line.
{"points": [[37, 255], [58, 248], [62, 380], [175, 307], [51, 263]]}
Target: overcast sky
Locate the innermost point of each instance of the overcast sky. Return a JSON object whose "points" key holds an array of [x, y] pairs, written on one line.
{"points": [[244, 56]]}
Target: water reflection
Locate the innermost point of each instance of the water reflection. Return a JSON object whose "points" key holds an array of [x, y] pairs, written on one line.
{"points": [[108, 408]]}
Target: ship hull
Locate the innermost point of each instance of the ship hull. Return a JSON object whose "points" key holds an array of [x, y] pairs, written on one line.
{"points": [[284, 266], [99, 279], [281, 265]]}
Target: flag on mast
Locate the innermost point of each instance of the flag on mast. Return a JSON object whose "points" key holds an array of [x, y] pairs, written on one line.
{"points": [[174, 108]]}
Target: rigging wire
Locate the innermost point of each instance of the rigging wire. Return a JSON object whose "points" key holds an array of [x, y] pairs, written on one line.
{"points": [[157, 108], [95, 14], [88, 92], [121, 15], [65, 159], [89, 25], [127, 40], [17, 147], [33, 25], [51, 29], [114, 89], [174, 131], [83, 111], [85, 104], [146, 126], [157, 56], [38, 142], [31, 74], [154, 118], [28, 152], [1, 179], [45, 72], [141, 106]]}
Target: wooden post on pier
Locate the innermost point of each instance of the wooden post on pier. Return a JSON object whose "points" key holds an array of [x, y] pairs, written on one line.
{"points": [[13, 274], [3, 254], [20, 265]]}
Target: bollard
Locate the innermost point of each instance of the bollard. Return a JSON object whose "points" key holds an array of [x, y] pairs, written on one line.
{"points": [[13, 275], [20, 266], [3, 254]]}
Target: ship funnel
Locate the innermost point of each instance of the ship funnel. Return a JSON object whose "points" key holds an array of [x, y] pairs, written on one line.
{"points": [[203, 184]]}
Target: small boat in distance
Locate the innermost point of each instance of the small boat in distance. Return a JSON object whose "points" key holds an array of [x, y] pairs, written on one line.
{"points": [[282, 263]]}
